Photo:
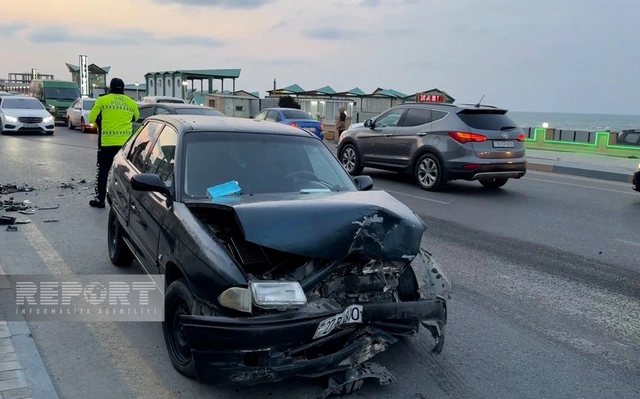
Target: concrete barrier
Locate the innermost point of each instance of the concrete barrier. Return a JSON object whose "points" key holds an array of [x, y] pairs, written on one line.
{"points": [[603, 143]]}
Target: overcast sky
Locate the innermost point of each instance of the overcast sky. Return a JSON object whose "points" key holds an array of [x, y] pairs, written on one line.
{"points": [[526, 55]]}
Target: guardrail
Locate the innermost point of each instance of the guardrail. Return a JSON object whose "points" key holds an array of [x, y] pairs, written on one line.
{"points": [[604, 143]]}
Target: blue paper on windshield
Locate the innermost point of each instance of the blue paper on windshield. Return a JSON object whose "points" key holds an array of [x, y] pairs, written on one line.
{"points": [[222, 190]]}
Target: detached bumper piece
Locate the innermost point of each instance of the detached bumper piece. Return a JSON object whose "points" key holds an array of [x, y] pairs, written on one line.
{"points": [[271, 348]]}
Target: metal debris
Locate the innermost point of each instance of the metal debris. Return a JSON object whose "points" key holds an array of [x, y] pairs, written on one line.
{"points": [[51, 221], [67, 185], [49, 208], [12, 228], [6, 189]]}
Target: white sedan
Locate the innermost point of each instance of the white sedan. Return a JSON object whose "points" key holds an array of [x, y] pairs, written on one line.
{"points": [[78, 115], [23, 114]]}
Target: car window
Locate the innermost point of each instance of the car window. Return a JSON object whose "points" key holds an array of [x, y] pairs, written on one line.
{"points": [[389, 119], [161, 158], [145, 112], [297, 114], [76, 104], [273, 116], [261, 116], [161, 111], [487, 120], [437, 115], [260, 163], [140, 149], [88, 104], [631, 138], [21, 103], [416, 117]]}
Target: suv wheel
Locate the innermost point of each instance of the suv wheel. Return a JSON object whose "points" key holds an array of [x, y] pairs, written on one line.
{"points": [[119, 253], [69, 124], [494, 183], [350, 160], [178, 301], [428, 173]]}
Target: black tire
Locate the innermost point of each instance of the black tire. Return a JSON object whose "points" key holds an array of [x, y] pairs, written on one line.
{"points": [[69, 124], [178, 300], [428, 173], [119, 252], [350, 159], [494, 183]]}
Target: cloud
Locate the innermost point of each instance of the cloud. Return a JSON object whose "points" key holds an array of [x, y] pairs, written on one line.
{"points": [[378, 3], [237, 4], [332, 34], [123, 37], [10, 29]]}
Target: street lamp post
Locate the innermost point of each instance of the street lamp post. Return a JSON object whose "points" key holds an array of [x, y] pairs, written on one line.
{"points": [[137, 95], [184, 89]]}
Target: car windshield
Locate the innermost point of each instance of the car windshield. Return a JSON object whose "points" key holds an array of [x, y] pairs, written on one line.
{"points": [[260, 163], [88, 104], [297, 114], [21, 103], [61, 93], [198, 111]]}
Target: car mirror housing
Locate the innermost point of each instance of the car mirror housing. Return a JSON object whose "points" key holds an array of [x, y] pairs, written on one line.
{"points": [[364, 182], [150, 182], [368, 123]]}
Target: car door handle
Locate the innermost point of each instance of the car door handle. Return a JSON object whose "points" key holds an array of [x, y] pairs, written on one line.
{"points": [[421, 134], [387, 135]]}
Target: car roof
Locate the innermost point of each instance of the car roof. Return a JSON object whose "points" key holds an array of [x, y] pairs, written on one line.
{"points": [[449, 107], [210, 123], [173, 105]]}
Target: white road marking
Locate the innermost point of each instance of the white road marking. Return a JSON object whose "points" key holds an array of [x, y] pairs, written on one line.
{"points": [[637, 244], [131, 366], [630, 192], [417, 197]]}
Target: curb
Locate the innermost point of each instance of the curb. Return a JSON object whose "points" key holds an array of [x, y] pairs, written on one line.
{"points": [[590, 173], [31, 370]]}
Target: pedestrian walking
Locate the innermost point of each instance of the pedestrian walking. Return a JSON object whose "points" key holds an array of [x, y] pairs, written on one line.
{"points": [[342, 123], [113, 113]]}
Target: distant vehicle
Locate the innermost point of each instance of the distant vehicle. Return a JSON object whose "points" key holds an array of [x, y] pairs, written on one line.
{"points": [[56, 95], [78, 115], [5, 93], [436, 143], [147, 110], [23, 114], [293, 117], [161, 100], [629, 137]]}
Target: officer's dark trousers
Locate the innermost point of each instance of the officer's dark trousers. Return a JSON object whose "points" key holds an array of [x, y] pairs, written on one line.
{"points": [[105, 159]]}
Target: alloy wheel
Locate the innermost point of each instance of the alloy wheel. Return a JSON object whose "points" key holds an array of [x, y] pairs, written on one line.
{"points": [[427, 172]]}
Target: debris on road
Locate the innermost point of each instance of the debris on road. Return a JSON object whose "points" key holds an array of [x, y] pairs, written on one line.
{"points": [[51, 221], [12, 228], [4, 220], [67, 185], [6, 189], [49, 208]]}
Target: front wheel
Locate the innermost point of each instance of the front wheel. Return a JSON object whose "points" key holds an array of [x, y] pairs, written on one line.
{"points": [[119, 253], [178, 301], [350, 160], [428, 173], [494, 183], [69, 124]]}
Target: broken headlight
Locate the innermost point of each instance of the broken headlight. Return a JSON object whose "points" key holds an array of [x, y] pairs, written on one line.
{"points": [[264, 294]]}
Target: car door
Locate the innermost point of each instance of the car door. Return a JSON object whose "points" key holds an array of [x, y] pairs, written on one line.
{"points": [[374, 142], [410, 135], [75, 112], [153, 207], [138, 226], [119, 177]]}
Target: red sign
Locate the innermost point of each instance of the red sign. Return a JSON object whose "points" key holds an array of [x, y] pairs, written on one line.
{"points": [[430, 98]]}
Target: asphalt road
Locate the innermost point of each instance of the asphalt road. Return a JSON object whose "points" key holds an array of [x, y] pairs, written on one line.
{"points": [[546, 303]]}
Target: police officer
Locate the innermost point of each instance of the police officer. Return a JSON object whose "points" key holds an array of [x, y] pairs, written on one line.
{"points": [[114, 113]]}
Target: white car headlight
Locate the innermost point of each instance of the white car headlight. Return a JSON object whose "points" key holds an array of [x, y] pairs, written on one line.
{"points": [[11, 119], [264, 294], [48, 119]]}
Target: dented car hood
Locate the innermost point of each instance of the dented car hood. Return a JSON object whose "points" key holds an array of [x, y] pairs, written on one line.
{"points": [[326, 225]]}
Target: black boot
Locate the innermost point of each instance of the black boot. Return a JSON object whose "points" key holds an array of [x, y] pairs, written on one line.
{"points": [[96, 203]]}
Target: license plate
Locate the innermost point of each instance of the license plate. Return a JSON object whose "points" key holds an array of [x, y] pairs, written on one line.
{"points": [[351, 315], [503, 144], [30, 125]]}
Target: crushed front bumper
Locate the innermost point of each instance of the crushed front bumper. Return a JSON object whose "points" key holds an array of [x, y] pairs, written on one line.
{"points": [[271, 348]]}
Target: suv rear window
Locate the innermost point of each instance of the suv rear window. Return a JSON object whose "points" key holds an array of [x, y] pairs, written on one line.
{"points": [[487, 120]]}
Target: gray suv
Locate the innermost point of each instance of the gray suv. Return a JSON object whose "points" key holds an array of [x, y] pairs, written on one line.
{"points": [[437, 143]]}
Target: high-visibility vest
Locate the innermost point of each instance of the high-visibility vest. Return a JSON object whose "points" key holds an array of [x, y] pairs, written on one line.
{"points": [[117, 112]]}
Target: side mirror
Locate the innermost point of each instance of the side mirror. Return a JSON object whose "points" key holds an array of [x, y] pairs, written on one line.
{"points": [[368, 123], [150, 182], [364, 182]]}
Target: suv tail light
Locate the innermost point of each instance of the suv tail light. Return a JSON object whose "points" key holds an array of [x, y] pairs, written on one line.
{"points": [[465, 137], [522, 137]]}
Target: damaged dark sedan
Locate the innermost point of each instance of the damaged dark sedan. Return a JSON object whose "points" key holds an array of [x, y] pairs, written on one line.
{"points": [[277, 262]]}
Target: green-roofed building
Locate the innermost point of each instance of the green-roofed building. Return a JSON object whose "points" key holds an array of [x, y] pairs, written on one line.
{"points": [[180, 82], [97, 75]]}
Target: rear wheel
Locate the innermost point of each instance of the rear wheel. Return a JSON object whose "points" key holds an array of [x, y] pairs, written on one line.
{"points": [[83, 128], [178, 301], [119, 253], [69, 124], [428, 173], [350, 160], [494, 183]]}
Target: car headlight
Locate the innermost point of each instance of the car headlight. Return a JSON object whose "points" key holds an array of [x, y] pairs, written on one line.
{"points": [[48, 119], [11, 119], [52, 108], [264, 294]]}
